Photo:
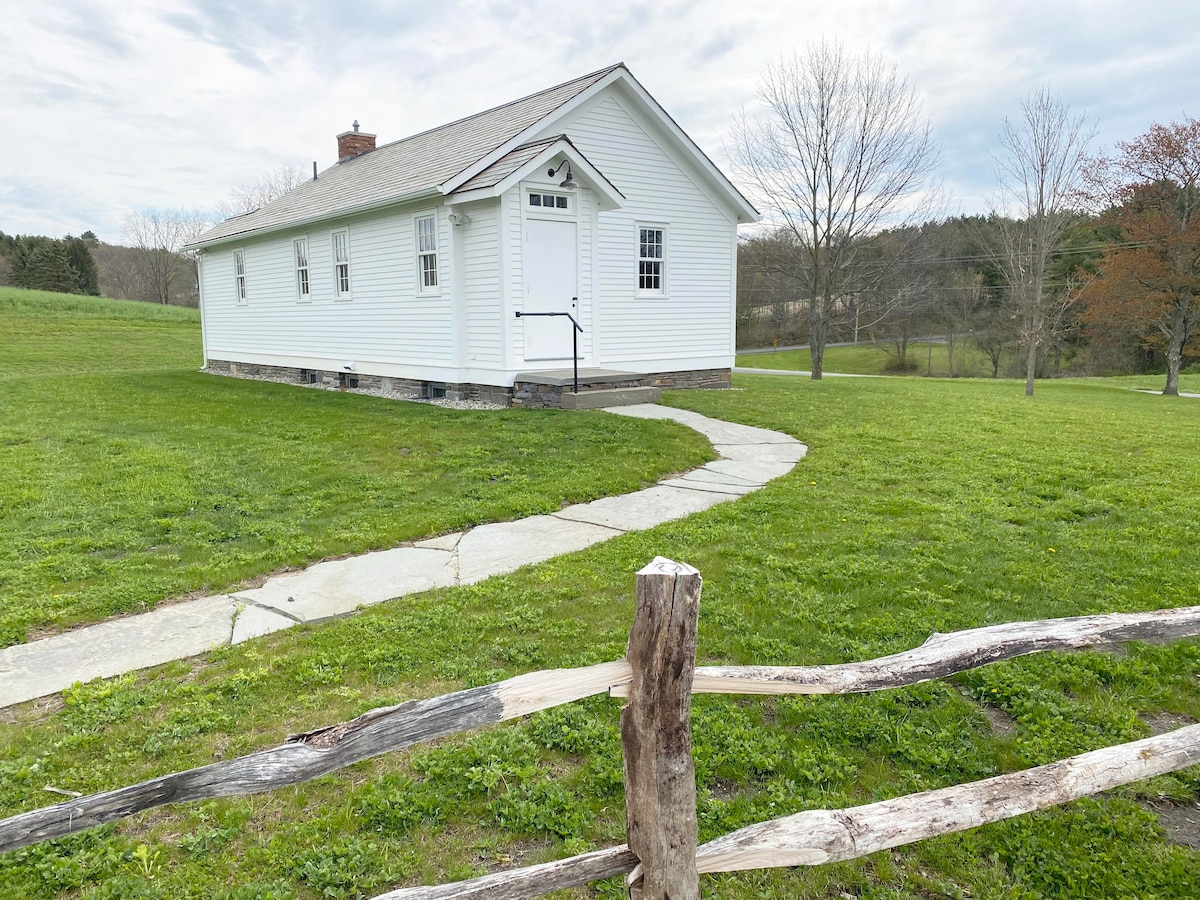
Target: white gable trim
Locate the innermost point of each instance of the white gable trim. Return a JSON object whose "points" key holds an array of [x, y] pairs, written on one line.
{"points": [[607, 195], [740, 205], [745, 212], [452, 184]]}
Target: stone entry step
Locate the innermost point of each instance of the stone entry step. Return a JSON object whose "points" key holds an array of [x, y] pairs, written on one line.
{"points": [[610, 387], [565, 378], [604, 398]]}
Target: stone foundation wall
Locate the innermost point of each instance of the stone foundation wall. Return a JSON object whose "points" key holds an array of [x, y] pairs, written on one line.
{"points": [[378, 384], [524, 394], [708, 379]]}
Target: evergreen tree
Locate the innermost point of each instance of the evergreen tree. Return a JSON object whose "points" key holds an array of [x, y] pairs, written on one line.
{"points": [[48, 268], [87, 277], [24, 246]]}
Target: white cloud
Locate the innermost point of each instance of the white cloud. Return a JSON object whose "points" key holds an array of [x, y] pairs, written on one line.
{"points": [[109, 105]]}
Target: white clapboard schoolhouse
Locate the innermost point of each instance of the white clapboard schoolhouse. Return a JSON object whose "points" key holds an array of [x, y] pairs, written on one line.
{"points": [[415, 265]]}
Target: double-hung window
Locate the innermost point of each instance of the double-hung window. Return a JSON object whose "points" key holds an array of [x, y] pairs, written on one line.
{"points": [[341, 264], [652, 261], [301, 245], [427, 270], [239, 276]]}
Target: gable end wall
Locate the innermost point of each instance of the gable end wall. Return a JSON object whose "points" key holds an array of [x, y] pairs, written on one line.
{"points": [[696, 316]]}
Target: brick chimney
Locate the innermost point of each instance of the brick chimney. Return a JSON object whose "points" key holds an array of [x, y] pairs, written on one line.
{"points": [[354, 143]]}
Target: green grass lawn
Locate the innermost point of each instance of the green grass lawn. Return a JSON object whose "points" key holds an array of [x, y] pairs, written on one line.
{"points": [[873, 359], [1188, 383], [923, 505], [131, 478]]}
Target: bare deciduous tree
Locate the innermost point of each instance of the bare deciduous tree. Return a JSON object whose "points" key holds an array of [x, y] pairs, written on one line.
{"points": [[842, 151], [158, 235], [1038, 172], [270, 185]]}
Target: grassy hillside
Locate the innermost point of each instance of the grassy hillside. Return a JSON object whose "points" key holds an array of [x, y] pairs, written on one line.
{"points": [[126, 485], [923, 505], [43, 333]]}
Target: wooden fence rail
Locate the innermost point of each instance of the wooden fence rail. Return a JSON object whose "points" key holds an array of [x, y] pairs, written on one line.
{"points": [[659, 676], [819, 836]]}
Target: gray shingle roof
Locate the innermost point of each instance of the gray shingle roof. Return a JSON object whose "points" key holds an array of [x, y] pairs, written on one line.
{"points": [[507, 164], [406, 167]]}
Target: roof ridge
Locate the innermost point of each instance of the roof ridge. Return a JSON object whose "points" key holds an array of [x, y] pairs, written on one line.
{"points": [[595, 76]]}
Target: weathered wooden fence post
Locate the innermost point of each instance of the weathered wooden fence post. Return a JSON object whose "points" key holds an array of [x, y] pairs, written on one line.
{"points": [[656, 737]]}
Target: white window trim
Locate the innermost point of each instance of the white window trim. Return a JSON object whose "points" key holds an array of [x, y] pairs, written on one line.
{"points": [[338, 293], [240, 291], [572, 199], [296, 267], [660, 293], [418, 254]]}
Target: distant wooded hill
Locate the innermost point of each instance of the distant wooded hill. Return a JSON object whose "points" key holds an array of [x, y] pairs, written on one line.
{"points": [[87, 265]]}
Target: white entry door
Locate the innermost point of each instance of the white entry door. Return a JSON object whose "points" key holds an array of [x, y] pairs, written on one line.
{"points": [[551, 285]]}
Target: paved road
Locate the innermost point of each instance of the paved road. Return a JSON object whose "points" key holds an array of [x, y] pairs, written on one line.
{"points": [[793, 347], [916, 340]]}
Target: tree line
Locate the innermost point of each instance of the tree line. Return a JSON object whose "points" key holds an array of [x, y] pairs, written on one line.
{"points": [[1088, 261], [154, 273], [50, 264]]}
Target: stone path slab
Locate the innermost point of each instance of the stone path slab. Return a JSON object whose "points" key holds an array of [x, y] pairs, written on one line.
{"points": [[716, 476], [758, 472], [334, 588], [442, 542], [114, 648], [506, 546], [254, 621], [750, 457], [643, 509], [711, 487], [760, 453]]}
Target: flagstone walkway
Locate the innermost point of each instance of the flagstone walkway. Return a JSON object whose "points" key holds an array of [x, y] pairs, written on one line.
{"points": [[749, 458]]}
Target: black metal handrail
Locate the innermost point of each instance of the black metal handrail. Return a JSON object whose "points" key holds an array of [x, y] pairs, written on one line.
{"points": [[575, 332]]}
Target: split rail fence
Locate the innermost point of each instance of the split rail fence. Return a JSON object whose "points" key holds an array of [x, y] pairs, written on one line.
{"points": [[659, 676]]}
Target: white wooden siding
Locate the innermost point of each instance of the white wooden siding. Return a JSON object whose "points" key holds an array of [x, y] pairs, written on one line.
{"points": [[514, 222], [385, 321], [695, 317], [481, 285]]}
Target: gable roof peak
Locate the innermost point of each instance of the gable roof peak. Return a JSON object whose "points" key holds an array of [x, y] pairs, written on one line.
{"points": [[583, 80]]}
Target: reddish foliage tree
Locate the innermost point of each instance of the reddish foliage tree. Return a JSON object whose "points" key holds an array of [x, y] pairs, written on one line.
{"points": [[1149, 285]]}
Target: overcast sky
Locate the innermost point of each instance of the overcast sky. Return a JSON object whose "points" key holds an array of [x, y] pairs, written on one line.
{"points": [[108, 106]]}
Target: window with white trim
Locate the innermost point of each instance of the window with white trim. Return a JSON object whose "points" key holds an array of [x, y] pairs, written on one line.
{"points": [[302, 283], [426, 228], [341, 264], [651, 260], [239, 276]]}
